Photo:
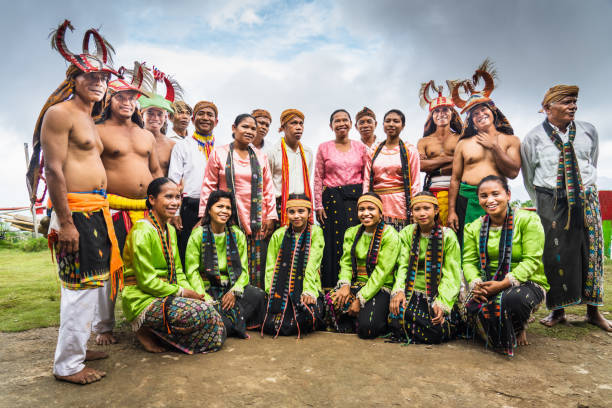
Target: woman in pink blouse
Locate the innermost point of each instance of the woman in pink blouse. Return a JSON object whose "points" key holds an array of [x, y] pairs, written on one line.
{"points": [[393, 172], [244, 171], [338, 184]]}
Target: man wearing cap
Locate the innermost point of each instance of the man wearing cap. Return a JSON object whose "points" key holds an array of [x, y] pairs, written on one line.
{"points": [[180, 120], [365, 122], [188, 163], [437, 148], [290, 162], [263, 119], [80, 230], [130, 162], [487, 147], [560, 173]]}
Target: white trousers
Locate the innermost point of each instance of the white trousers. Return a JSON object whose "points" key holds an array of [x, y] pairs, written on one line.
{"points": [[104, 319], [79, 309]]}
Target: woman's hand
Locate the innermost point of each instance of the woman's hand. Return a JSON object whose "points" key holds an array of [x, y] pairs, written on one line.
{"points": [[438, 315], [228, 301], [355, 308], [341, 295], [191, 294], [268, 228], [492, 288], [308, 300], [479, 295], [399, 300], [321, 216]]}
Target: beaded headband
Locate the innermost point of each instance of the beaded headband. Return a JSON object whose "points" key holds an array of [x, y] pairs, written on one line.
{"points": [[299, 203], [423, 199], [371, 199]]}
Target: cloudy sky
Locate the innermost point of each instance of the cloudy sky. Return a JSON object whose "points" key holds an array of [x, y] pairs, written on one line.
{"points": [[316, 56]]}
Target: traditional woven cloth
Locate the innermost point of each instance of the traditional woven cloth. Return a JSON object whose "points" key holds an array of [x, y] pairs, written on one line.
{"points": [[195, 327], [568, 173], [406, 176], [490, 315], [372, 258], [256, 249], [285, 182], [164, 237], [256, 186], [210, 261], [98, 245], [287, 287]]}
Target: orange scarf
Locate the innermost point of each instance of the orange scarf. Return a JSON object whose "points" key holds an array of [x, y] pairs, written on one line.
{"points": [[91, 202], [285, 181]]}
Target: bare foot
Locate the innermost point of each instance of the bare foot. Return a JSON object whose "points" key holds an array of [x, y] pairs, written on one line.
{"points": [[521, 339], [597, 319], [91, 355], [555, 317], [86, 376], [105, 339], [148, 341]]}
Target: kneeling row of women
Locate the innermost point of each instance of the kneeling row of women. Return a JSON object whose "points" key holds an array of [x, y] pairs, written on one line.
{"points": [[405, 284]]}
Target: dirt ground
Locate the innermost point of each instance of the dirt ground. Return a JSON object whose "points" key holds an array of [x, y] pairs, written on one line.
{"points": [[322, 369]]}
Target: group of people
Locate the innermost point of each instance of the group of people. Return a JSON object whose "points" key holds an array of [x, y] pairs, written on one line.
{"points": [[207, 241]]}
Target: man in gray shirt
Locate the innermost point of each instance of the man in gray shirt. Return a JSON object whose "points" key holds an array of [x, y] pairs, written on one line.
{"points": [[559, 159]]}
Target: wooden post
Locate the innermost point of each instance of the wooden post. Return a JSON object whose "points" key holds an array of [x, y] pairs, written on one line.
{"points": [[32, 206]]}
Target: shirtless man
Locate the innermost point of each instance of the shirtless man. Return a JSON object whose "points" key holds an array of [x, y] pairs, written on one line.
{"points": [[437, 148], [264, 120], [365, 122], [81, 231], [488, 146], [154, 119], [130, 161]]}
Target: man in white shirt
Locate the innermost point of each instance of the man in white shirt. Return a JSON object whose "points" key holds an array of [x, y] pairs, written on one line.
{"points": [[187, 164], [180, 120], [294, 177], [560, 172]]}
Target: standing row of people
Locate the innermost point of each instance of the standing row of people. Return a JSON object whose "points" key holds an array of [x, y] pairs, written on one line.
{"points": [[100, 185]]}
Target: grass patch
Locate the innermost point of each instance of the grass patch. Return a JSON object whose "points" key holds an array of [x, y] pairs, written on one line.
{"points": [[30, 291]]}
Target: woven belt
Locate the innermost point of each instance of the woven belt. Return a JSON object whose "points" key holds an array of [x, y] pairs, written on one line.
{"points": [[390, 190]]}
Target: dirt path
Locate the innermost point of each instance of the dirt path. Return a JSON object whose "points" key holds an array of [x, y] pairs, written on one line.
{"points": [[323, 369]]}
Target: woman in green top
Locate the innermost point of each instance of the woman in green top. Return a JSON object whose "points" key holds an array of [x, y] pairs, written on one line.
{"points": [[360, 301], [217, 266], [502, 265], [293, 283], [158, 299], [428, 278]]}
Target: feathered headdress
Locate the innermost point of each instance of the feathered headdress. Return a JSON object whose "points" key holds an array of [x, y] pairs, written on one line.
{"points": [[86, 62], [174, 92], [426, 100], [486, 71], [140, 80]]}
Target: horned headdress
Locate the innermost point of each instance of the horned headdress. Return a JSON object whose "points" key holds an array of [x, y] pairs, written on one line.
{"points": [[86, 62], [437, 101], [174, 92], [486, 71]]}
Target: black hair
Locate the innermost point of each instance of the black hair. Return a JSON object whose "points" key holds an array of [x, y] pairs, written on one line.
{"points": [[213, 199], [106, 114], [155, 187], [373, 194], [299, 197], [241, 118], [501, 180], [398, 112], [331, 118]]}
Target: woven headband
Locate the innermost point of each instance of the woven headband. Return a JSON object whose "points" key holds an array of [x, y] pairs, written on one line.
{"points": [[371, 199], [299, 203], [423, 199]]}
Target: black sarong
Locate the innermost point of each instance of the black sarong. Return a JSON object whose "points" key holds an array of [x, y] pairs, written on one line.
{"points": [[573, 260], [190, 208], [296, 320], [247, 312], [413, 325], [340, 204]]}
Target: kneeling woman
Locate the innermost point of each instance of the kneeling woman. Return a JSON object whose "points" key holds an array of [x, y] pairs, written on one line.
{"points": [[217, 264], [360, 301], [428, 278], [157, 298], [502, 264], [293, 282]]}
